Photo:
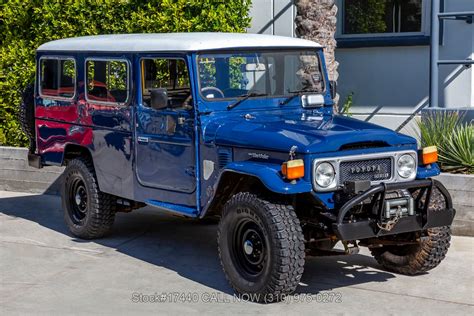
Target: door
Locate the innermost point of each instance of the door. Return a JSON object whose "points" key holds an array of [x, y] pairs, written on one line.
{"points": [[165, 136]]}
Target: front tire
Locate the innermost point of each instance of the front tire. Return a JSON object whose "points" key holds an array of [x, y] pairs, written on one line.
{"points": [[422, 256], [261, 247], [417, 258], [88, 212]]}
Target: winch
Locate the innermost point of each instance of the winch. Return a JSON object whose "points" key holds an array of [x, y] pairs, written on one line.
{"points": [[399, 207]]}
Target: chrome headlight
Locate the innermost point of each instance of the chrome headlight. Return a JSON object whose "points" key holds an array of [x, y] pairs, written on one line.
{"points": [[406, 166], [324, 174]]}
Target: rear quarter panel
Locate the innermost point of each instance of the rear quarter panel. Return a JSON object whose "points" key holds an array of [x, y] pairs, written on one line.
{"points": [[105, 130]]}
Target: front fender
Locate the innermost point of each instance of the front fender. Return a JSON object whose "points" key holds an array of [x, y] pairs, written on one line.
{"points": [[270, 176], [425, 172]]}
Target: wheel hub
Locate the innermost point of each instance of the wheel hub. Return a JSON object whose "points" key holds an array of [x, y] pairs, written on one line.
{"points": [[77, 199], [248, 247], [81, 199]]}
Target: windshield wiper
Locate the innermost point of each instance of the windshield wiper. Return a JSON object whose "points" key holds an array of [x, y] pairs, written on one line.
{"points": [[244, 97], [296, 94]]}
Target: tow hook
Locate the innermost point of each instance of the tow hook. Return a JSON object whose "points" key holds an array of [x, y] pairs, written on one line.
{"points": [[394, 210], [389, 225], [350, 250]]}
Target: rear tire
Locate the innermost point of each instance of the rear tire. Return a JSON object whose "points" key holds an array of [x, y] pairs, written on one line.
{"points": [[88, 212], [261, 247]]}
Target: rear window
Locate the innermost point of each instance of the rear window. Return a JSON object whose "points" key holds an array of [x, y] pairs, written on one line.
{"points": [[107, 81], [57, 77]]}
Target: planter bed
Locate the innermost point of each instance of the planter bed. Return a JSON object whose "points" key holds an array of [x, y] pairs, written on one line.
{"points": [[461, 187]]}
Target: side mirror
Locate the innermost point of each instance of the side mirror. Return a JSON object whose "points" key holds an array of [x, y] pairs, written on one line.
{"points": [[312, 100], [333, 88], [159, 98]]}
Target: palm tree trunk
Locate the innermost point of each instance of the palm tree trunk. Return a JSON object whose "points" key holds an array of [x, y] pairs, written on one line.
{"points": [[316, 20]]}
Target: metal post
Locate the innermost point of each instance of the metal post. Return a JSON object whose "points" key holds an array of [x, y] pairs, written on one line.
{"points": [[434, 54]]}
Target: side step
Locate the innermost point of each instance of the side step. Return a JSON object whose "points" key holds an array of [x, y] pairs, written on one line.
{"points": [[173, 208]]}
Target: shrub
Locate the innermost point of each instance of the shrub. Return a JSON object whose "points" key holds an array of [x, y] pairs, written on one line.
{"points": [[347, 106], [434, 127], [455, 140], [29, 23], [457, 152]]}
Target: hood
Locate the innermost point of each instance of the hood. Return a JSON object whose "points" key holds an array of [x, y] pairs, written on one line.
{"points": [[311, 134]]}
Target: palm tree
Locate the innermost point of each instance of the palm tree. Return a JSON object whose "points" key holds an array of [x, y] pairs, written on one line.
{"points": [[316, 20]]}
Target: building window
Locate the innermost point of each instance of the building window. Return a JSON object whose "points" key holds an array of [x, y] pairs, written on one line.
{"points": [[107, 81], [384, 22], [382, 16], [58, 78]]}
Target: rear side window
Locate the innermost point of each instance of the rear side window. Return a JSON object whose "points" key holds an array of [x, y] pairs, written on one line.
{"points": [[58, 77], [107, 81]]}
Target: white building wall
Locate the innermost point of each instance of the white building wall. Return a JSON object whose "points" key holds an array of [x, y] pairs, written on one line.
{"points": [[390, 85], [273, 17]]}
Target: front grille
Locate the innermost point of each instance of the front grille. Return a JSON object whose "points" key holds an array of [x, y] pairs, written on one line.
{"points": [[371, 170]]}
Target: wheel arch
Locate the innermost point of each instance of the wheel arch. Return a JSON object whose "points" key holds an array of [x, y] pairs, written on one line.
{"points": [[252, 177], [72, 151], [229, 183]]}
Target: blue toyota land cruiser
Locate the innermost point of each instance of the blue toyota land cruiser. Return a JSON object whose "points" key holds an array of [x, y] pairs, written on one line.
{"points": [[239, 127]]}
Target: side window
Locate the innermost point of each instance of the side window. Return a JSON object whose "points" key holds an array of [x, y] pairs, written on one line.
{"points": [[107, 81], [57, 77], [169, 73]]}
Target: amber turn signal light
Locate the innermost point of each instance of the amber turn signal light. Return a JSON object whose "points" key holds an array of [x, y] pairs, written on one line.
{"points": [[293, 169], [429, 155]]}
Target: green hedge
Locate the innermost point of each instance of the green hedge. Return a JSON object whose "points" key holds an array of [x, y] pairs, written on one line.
{"points": [[26, 24]]}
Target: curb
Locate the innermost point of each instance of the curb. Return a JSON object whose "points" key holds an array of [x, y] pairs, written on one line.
{"points": [[16, 175]]}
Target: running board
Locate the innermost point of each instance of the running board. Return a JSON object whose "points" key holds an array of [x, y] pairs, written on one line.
{"points": [[173, 208]]}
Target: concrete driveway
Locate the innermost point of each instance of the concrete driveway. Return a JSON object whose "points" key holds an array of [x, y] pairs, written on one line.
{"points": [[43, 269]]}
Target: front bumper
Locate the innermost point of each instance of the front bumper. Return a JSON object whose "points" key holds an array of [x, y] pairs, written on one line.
{"points": [[424, 218]]}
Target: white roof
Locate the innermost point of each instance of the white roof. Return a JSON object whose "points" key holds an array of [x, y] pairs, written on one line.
{"points": [[173, 42]]}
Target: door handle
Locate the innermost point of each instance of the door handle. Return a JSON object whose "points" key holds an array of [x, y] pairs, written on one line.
{"points": [[143, 140], [183, 120]]}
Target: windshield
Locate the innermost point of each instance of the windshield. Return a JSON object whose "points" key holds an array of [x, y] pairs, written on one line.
{"points": [[269, 73]]}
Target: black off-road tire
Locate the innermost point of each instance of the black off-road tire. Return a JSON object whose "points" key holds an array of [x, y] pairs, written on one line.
{"points": [[415, 259], [94, 216], [26, 116], [280, 229], [420, 257]]}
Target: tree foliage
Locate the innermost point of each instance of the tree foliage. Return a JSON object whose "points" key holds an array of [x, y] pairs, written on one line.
{"points": [[26, 24], [366, 16]]}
